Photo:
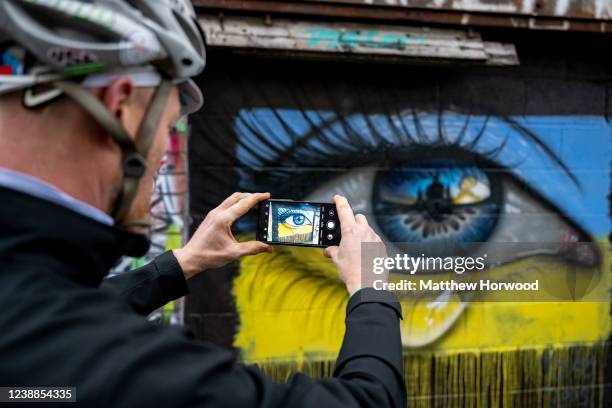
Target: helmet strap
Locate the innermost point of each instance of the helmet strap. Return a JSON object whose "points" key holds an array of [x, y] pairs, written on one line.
{"points": [[133, 153]]}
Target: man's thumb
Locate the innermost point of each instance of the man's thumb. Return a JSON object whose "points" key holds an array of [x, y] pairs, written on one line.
{"points": [[330, 252], [253, 248]]}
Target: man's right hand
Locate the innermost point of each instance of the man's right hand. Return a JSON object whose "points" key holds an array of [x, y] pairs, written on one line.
{"points": [[213, 244], [347, 256]]}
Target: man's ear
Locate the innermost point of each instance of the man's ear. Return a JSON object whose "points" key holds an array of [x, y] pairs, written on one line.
{"points": [[116, 96]]}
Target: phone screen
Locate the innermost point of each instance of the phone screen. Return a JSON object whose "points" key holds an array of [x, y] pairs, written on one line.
{"points": [[294, 223]]}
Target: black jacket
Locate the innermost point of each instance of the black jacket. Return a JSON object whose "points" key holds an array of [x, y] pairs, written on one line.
{"points": [[61, 324]]}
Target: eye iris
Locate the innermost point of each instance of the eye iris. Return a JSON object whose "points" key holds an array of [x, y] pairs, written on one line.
{"points": [[298, 219], [440, 202]]}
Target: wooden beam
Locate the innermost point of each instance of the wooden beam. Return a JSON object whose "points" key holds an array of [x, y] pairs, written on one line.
{"points": [[354, 40]]}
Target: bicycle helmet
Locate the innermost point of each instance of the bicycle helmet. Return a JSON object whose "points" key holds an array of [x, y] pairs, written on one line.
{"points": [[73, 45]]}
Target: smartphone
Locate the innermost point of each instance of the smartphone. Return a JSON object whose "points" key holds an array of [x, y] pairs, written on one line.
{"points": [[299, 223]]}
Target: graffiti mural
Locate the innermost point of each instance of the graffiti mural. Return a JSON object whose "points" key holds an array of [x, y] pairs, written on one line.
{"points": [[168, 215], [430, 156]]}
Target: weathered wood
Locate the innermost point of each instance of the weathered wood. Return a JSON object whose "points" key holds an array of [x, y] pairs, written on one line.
{"points": [[354, 39]]}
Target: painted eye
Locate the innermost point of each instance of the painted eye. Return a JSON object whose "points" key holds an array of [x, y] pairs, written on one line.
{"points": [[295, 220], [441, 202], [435, 179]]}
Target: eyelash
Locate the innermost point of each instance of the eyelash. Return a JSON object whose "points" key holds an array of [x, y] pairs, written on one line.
{"points": [[307, 153], [282, 212], [279, 166]]}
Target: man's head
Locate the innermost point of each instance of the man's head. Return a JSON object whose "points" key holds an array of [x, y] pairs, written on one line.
{"points": [[124, 67], [63, 145], [130, 108]]}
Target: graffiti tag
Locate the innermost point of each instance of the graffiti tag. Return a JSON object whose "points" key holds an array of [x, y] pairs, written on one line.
{"points": [[350, 39]]}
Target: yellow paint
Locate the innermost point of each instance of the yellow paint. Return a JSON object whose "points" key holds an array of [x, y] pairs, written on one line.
{"points": [[292, 308], [471, 191], [285, 230]]}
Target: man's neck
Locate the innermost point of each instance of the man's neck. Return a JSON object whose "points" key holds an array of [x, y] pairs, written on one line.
{"points": [[38, 188]]}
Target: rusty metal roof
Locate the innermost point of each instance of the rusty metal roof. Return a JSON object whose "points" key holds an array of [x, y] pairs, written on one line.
{"points": [[591, 9], [566, 15]]}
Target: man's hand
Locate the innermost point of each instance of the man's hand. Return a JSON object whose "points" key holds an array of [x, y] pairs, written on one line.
{"points": [[347, 256], [213, 244]]}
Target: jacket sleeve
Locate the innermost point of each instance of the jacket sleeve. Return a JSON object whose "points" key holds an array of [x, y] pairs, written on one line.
{"points": [[151, 286], [369, 369], [368, 373], [371, 352]]}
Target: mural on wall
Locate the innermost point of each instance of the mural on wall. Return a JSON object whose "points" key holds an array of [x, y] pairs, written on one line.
{"points": [[431, 169], [169, 213]]}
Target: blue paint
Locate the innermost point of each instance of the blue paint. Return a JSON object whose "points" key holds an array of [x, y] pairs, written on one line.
{"points": [[15, 64], [583, 143]]}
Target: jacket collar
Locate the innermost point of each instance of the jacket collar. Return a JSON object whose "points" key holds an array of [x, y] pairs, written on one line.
{"points": [[36, 187], [88, 248]]}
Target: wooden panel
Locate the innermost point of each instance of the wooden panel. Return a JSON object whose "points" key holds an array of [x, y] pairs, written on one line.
{"points": [[352, 39]]}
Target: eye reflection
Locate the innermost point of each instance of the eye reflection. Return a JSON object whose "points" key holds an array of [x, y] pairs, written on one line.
{"points": [[440, 202]]}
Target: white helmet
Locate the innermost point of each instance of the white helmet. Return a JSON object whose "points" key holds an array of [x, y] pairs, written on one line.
{"points": [[72, 45]]}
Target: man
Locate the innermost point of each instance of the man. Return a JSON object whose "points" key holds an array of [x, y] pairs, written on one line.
{"points": [[89, 90]]}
